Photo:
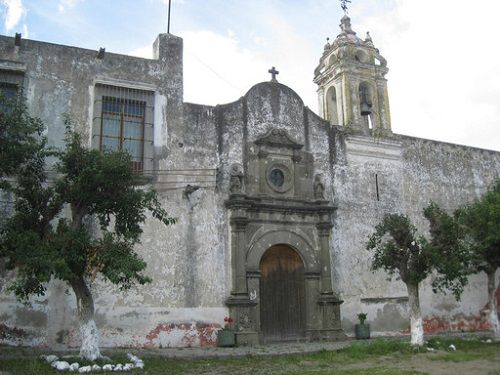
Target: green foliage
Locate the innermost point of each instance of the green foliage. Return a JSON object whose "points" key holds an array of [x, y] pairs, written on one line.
{"points": [[466, 242], [481, 223], [450, 249], [20, 136], [398, 248], [362, 317], [107, 210]]}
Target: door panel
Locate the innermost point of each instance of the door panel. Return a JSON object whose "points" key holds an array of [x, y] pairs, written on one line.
{"points": [[282, 294]]}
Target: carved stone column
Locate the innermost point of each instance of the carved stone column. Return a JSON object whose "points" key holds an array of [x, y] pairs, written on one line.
{"points": [[329, 303], [238, 245], [324, 229], [242, 306]]}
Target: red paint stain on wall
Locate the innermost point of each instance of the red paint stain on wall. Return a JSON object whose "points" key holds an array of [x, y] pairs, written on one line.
{"points": [[195, 334], [458, 323]]}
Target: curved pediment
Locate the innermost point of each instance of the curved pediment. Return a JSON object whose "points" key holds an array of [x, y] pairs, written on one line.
{"points": [[278, 138]]}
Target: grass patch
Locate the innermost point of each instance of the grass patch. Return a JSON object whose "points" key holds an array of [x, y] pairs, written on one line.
{"points": [[370, 355], [466, 350]]}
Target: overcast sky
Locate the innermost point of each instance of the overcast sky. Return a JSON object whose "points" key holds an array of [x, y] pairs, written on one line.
{"points": [[443, 55]]}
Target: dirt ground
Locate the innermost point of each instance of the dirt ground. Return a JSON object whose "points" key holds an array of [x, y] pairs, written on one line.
{"points": [[427, 363]]}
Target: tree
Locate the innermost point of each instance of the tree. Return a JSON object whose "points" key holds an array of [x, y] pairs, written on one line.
{"points": [[41, 243], [398, 248], [20, 136], [477, 236], [481, 221]]}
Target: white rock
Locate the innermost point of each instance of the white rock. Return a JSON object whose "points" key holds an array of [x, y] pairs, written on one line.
{"points": [[50, 358], [132, 357], [489, 341], [108, 367], [118, 367], [83, 369], [452, 347], [74, 366], [96, 368], [128, 366], [430, 349], [62, 365], [139, 364]]}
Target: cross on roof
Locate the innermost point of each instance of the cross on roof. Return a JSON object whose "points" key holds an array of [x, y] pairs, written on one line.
{"points": [[274, 73], [343, 5]]}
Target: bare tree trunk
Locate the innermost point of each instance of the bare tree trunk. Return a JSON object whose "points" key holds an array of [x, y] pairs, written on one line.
{"points": [[492, 301], [88, 330], [416, 326]]}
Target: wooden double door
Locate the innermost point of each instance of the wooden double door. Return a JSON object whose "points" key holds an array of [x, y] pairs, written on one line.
{"points": [[282, 294]]}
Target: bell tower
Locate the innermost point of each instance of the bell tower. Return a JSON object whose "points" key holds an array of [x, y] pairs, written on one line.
{"points": [[352, 89]]}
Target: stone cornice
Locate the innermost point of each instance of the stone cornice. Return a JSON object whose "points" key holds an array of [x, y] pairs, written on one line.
{"points": [[291, 206]]}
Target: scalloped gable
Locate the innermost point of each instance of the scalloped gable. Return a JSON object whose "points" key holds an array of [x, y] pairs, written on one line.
{"points": [[278, 137]]}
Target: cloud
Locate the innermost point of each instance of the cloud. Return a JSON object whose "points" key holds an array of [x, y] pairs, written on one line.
{"points": [[144, 52], [444, 77], [26, 33], [66, 4], [215, 78], [15, 11]]}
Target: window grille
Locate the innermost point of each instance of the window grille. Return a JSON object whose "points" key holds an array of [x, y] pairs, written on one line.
{"points": [[123, 120], [10, 84]]}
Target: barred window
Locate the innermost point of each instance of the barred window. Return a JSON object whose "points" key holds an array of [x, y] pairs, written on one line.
{"points": [[123, 120], [10, 84]]}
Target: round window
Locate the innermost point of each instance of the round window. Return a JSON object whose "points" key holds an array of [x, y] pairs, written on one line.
{"points": [[277, 177]]}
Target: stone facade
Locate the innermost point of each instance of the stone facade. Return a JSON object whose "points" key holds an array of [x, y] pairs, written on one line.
{"points": [[243, 178]]}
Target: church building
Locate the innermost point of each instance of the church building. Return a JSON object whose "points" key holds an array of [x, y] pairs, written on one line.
{"points": [[274, 202]]}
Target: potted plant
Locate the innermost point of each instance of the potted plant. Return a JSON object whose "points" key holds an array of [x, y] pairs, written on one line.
{"points": [[226, 335], [362, 330]]}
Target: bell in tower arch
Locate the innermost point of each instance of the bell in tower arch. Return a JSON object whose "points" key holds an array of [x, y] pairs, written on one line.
{"points": [[365, 100], [366, 109]]}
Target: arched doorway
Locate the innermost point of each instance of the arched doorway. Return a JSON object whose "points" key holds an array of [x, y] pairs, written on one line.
{"points": [[282, 294]]}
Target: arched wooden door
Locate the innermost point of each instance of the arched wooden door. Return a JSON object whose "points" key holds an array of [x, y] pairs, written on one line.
{"points": [[282, 294]]}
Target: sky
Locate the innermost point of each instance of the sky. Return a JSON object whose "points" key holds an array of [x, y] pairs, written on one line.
{"points": [[443, 55]]}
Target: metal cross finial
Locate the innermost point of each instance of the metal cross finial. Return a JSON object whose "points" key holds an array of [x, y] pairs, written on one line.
{"points": [[273, 72], [343, 5]]}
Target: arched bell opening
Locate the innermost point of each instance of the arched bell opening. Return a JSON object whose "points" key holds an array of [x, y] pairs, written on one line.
{"points": [[282, 294], [332, 106], [366, 103]]}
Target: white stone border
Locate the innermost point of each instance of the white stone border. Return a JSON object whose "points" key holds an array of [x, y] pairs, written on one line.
{"points": [[135, 363]]}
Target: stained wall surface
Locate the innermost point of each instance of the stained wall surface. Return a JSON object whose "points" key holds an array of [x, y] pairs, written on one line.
{"points": [[194, 147]]}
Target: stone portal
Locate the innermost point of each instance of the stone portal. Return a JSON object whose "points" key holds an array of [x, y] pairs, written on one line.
{"points": [[281, 225]]}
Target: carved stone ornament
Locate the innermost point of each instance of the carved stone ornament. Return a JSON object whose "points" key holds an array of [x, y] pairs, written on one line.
{"points": [[279, 138], [319, 188], [236, 179], [245, 322]]}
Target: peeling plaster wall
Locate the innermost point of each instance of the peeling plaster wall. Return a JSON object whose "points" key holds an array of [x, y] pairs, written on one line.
{"points": [[410, 173], [185, 302], [194, 149]]}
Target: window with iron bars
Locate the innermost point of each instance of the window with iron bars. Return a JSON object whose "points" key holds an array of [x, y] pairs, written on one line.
{"points": [[124, 121], [10, 84]]}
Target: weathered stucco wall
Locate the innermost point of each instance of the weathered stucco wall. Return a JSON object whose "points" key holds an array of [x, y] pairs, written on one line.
{"points": [[410, 173], [195, 147], [187, 262]]}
